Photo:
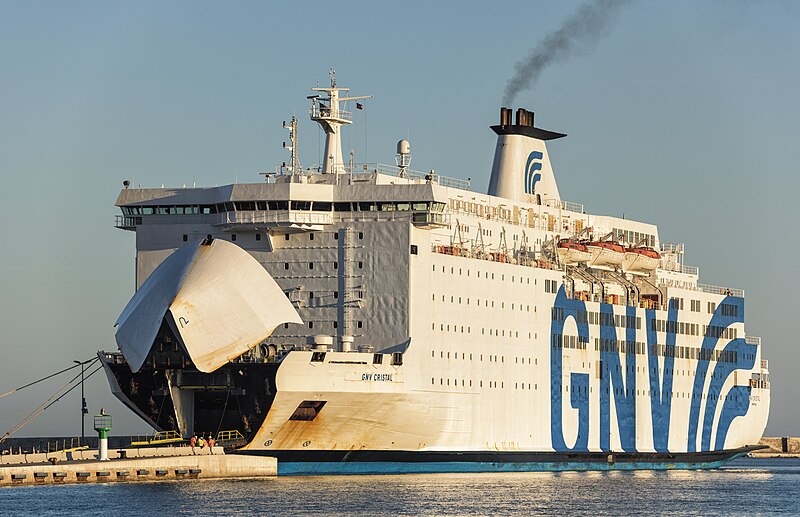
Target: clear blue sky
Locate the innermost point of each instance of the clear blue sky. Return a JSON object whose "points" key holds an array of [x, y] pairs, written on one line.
{"points": [[684, 115]]}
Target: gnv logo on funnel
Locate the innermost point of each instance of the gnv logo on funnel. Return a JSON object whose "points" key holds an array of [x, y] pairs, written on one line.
{"points": [[531, 167]]}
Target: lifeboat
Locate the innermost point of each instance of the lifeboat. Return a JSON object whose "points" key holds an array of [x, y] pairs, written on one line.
{"points": [[571, 252], [605, 255], [641, 260]]}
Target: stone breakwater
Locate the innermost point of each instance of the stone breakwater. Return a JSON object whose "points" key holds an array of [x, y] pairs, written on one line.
{"points": [[781, 447], [131, 465]]}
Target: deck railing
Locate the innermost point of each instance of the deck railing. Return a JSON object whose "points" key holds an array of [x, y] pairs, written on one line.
{"points": [[715, 289], [277, 218]]}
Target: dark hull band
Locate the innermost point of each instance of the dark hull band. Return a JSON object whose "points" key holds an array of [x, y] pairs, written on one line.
{"points": [[294, 462]]}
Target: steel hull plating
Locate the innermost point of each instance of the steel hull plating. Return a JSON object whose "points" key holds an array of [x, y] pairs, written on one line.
{"points": [[311, 462]]}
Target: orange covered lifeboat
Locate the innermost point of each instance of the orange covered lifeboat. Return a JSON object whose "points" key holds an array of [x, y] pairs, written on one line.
{"points": [[571, 252], [641, 260], [605, 254]]}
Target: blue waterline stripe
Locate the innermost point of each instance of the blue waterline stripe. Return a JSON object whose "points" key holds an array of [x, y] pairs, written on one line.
{"points": [[387, 467]]}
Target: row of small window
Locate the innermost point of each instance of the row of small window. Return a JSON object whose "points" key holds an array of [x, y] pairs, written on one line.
{"points": [[571, 342], [468, 383], [397, 358], [675, 327], [311, 295], [233, 237], [287, 236], [487, 276], [550, 286], [558, 341], [597, 318], [250, 206], [468, 357], [169, 210], [720, 332], [479, 209], [492, 358], [634, 237], [693, 329], [487, 303], [334, 324], [492, 332], [334, 265], [727, 309], [646, 393]]}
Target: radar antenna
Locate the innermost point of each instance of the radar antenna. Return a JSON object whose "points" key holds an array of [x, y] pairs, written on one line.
{"points": [[294, 161], [403, 157], [327, 112]]}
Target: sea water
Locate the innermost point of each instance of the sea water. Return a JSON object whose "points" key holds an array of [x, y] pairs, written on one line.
{"points": [[743, 487]]}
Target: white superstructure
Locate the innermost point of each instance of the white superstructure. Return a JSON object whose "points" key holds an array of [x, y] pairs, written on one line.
{"points": [[443, 326]]}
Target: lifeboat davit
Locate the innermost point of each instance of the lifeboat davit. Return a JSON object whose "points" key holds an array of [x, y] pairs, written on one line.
{"points": [[641, 260], [571, 252], [605, 255]]}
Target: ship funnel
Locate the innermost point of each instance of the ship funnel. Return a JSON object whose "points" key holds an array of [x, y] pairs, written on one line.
{"points": [[521, 169]]}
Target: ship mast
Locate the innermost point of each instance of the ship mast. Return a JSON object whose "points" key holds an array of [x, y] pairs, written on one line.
{"points": [[327, 113]]}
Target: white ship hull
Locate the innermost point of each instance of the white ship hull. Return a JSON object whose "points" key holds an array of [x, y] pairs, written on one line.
{"points": [[372, 422]]}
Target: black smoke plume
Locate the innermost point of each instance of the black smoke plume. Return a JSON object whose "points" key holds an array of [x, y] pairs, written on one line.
{"points": [[583, 29]]}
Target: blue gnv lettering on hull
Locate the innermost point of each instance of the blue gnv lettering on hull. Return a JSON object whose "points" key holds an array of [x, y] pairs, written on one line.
{"points": [[564, 308], [661, 385], [611, 385], [729, 311], [660, 365]]}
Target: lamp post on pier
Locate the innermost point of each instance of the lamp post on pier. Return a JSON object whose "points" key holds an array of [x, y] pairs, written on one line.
{"points": [[84, 409]]}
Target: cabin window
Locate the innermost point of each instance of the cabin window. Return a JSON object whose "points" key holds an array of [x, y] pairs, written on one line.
{"points": [[258, 236], [185, 238]]}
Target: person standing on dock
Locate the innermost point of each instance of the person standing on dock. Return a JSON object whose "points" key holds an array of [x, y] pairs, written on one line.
{"points": [[200, 442], [211, 443], [193, 442]]}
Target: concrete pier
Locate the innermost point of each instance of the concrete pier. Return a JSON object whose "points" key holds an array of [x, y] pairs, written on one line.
{"points": [[780, 447], [131, 465]]}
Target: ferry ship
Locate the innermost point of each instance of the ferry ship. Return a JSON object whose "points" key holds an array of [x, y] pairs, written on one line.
{"points": [[370, 318]]}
